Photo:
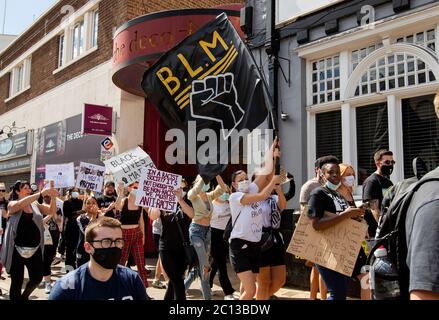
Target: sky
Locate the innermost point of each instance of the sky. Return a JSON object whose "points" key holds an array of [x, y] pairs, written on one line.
{"points": [[20, 14]]}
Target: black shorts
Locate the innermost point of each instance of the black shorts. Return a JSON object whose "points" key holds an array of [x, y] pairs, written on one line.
{"points": [[244, 255], [156, 238], [275, 256]]}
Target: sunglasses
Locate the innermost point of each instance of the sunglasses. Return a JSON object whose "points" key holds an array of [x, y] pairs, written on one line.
{"points": [[2, 190], [389, 162]]}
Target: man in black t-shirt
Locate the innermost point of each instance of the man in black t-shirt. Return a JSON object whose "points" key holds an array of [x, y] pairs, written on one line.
{"points": [[377, 184], [108, 199]]}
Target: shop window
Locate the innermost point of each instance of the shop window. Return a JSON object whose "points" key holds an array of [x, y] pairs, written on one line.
{"points": [[420, 133], [328, 134], [326, 80], [372, 135]]}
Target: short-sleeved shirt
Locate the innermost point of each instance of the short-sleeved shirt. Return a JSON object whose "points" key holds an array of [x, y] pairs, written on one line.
{"points": [[124, 284], [104, 202], [422, 232], [248, 225], [307, 188], [220, 215], [375, 187], [270, 212], [322, 199]]}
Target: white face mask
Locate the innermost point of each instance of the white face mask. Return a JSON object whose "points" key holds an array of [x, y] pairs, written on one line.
{"points": [[349, 181], [75, 195], [243, 186], [332, 186]]}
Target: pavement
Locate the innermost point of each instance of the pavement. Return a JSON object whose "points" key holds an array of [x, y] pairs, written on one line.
{"points": [[193, 293]]}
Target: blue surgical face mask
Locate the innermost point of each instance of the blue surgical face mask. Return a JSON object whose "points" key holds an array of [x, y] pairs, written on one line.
{"points": [[332, 186], [75, 195], [206, 188], [224, 197]]}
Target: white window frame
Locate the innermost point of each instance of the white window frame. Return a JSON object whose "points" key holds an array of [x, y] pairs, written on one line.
{"points": [[19, 79], [61, 50], [95, 28], [78, 35]]}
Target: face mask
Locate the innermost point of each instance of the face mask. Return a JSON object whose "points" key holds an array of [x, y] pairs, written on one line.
{"points": [[224, 197], [206, 188], [349, 181], [387, 170], [332, 186], [107, 258], [133, 192], [243, 186], [75, 195]]}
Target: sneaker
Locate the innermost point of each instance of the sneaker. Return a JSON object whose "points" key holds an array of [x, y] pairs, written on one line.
{"points": [[158, 284], [229, 297], [48, 287]]}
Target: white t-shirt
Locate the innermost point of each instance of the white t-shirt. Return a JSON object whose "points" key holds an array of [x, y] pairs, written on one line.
{"points": [[248, 226], [220, 216], [157, 226], [266, 211]]}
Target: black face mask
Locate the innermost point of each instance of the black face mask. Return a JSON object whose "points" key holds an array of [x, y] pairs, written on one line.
{"points": [[107, 258], [386, 170]]}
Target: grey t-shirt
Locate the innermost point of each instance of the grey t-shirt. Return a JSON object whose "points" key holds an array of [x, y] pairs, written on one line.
{"points": [[422, 230]]}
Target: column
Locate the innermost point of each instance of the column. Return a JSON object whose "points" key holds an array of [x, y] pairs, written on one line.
{"points": [[394, 114]]}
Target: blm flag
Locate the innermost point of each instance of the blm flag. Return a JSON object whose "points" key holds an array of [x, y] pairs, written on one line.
{"points": [[209, 78]]}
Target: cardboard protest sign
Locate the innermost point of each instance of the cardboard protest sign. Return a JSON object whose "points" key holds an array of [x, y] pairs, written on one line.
{"points": [[156, 190], [63, 175], [90, 177], [127, 167], [335, 248]]}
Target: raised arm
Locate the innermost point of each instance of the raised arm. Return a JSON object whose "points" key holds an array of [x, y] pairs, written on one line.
{"points": [[119, 203], [187, 209], [15, 206], [195, 190], [154, 213], [265, 175], [282, 199], [249, 198], [219, 190]]}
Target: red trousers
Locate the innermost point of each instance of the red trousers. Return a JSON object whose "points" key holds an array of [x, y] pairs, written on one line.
{"points": [[134, 245]]}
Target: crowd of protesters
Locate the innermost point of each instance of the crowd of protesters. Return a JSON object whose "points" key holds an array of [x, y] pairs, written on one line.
{"points": [[239, 221]]}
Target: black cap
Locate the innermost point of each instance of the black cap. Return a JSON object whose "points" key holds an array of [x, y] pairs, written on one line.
{"points": [[110, 183]]}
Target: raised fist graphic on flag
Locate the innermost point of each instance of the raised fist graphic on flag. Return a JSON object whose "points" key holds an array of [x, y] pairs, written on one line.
{"points": [[215, 99]]}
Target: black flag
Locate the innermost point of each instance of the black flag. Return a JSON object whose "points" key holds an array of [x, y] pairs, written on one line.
{"points": [[209, 78]]}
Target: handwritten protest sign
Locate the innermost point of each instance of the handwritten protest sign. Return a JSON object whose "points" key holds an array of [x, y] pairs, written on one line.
{"points": [[127, 167], [62, 174], [335, 248], [156, 190], [90, 177]]}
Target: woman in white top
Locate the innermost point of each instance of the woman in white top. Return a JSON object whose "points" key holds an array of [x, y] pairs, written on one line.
{"points": [[219, 247], [247, 222]]}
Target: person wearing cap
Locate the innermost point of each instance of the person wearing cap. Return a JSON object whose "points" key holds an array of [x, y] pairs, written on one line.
{"points": [[107, 201]]}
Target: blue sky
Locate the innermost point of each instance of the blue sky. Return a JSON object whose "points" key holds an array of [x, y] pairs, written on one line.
{"points": [[21, 13]]}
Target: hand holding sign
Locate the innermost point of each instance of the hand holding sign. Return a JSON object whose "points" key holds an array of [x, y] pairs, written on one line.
{"points": [[50, 191]]}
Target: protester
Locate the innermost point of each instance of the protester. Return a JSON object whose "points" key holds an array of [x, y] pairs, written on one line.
{"points": [[156, 233], [422, 234], [71, 208], [272, 270], [171, 249], [199, 230], [90, 213], [316, 282], [4, 216], [107, 200], [377, 184], [51, 239], [326, 198], [24, 240], [101, 278], [346, 190], [247, 221], [133, 229]]}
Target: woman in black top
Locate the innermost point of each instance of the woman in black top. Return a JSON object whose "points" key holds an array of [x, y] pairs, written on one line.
{"points": [[171, 249], [326, 198], [133, 229], [91, 214], [71, 209], [24, 241]]}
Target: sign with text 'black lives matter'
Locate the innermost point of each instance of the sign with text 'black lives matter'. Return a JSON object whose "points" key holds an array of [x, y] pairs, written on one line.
{"points": [[127, 167], [156, 190]]}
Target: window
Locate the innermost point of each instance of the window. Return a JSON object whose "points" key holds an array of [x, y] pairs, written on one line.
{"points": [[78, 40], [420, 133], [424, 38], [94, 40], [19, 74], [20, 78], [394, 71], [372, 135], [328, 134], [326, 80], [61, 51], [358, 55]]}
